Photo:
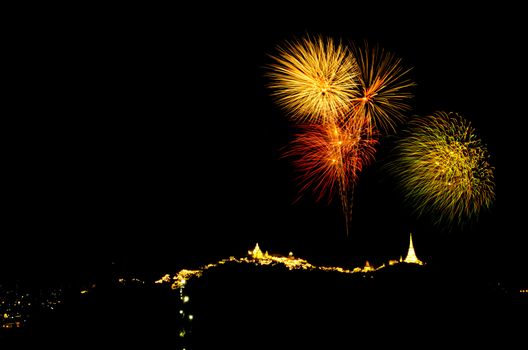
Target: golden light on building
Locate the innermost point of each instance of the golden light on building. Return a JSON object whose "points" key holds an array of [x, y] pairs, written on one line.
{"points": [[257, 257], [411, 255], [367, 267], [181, 278], [165, 278], [393, 262], [256, 253]]}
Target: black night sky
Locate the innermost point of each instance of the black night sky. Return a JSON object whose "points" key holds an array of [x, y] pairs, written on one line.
{"points": [[151, 140]]}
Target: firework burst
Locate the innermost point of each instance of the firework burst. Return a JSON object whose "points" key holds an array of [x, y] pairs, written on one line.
{"points": [[444, 169], [314, 79], [383, 92], [329, 159]]}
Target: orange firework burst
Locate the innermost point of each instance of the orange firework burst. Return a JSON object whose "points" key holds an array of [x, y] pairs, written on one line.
{"points": [[314, 79], [330, 158], [383, 88]]}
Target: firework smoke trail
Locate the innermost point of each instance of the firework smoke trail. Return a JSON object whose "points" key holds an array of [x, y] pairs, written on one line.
{"points": [[383, 92], [444, 169], [329, 159], [314, 79]]}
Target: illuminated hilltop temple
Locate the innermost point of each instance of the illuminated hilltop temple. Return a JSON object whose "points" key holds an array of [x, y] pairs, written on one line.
{"points": [[411, 255], [257, 253]]}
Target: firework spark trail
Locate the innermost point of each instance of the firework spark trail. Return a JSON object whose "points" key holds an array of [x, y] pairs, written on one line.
{"points": [[384, 89], [350, 95], [329, 159], [443, 168], [314, 79]]}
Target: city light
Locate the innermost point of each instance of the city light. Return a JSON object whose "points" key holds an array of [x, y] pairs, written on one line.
{"points": [[16, 306]]}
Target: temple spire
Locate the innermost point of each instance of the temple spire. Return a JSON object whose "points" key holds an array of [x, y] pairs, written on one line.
{"points": [[257, 253], [411, 255]]}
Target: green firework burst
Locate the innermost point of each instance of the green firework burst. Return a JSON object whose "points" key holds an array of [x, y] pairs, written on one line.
{"points": [[444, 168]]}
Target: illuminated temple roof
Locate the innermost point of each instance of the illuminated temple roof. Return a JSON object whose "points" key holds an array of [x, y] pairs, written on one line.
{"points": [[257, 253], [411, 255]]}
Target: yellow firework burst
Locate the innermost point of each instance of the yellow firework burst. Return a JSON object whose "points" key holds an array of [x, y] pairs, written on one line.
{"points": [[314, 79], [444, 169], [384, 91]]}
